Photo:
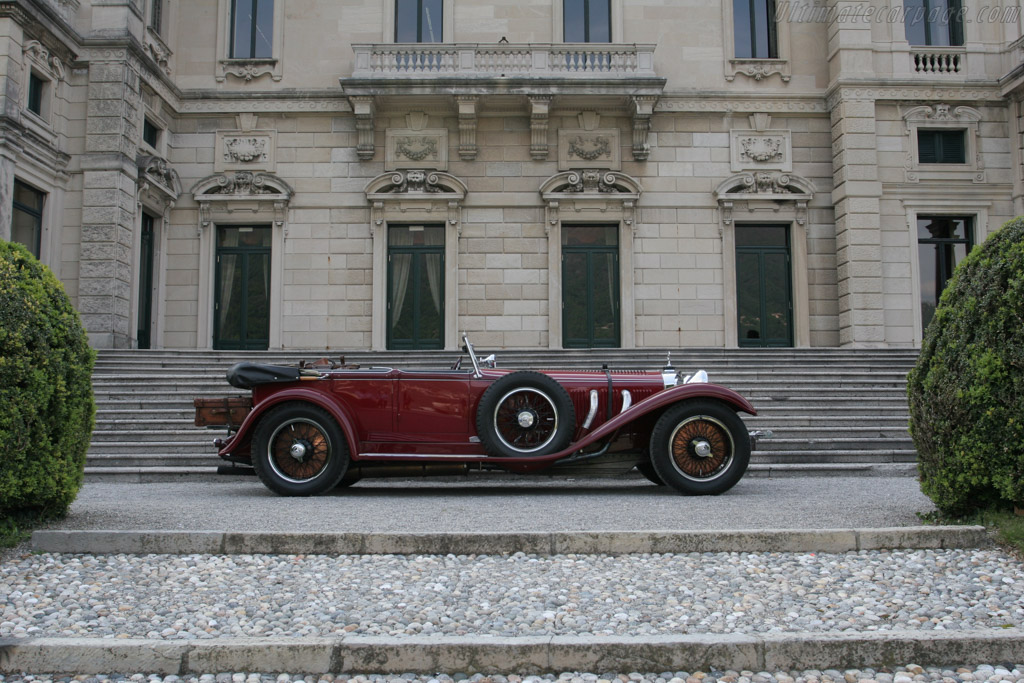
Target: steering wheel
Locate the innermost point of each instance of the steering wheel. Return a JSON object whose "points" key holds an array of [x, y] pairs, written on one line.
{"points": [[457, 364]]}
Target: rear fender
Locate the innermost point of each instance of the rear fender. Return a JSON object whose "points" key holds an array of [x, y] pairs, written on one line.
{"points": [[659, 401], [240, 443]]}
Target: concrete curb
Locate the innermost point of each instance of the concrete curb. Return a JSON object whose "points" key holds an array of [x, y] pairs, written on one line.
{"points": [[541, 543], [369, 654]]}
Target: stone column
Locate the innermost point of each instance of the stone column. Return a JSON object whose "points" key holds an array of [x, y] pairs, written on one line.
{"points": [[856, 197], [108, 204]]}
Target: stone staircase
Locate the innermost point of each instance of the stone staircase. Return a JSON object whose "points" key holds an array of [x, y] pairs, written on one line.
{"points": [[831, 411]]}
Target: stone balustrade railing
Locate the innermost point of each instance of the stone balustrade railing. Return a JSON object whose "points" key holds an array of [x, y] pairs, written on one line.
{"points": [[938, 60], [496, 60]]}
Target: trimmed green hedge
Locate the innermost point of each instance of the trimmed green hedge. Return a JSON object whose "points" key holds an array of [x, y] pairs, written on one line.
{"points": [[966, 392], [46, 403]]}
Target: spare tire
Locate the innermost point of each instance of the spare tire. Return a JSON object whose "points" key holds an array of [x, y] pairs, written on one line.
{"points": [[525, 414]]}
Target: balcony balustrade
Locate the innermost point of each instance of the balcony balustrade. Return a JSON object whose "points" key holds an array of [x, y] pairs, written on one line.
{"points": [[503, 60], [938, 60]]}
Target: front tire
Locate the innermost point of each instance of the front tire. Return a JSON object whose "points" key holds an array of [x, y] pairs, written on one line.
{"points": [[525, 414], [299, 450], [700, 448]]}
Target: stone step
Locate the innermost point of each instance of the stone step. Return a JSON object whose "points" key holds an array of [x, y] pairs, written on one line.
{"points": [[783, 445], [881, 455], [149, 459]]}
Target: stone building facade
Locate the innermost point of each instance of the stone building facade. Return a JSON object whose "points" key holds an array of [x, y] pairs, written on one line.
{"points": [[371, 174]]}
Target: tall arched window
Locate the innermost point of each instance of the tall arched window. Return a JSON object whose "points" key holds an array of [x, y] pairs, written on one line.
{"points": [[754, 29], [419, 21], [934, 22], [252, 29], [587, 21]]}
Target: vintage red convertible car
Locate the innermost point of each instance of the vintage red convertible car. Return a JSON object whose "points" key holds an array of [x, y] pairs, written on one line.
{"points": [[308, 429]]}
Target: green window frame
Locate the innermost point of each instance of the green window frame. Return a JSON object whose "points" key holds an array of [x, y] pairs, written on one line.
{"points": [[144, 321], [755, 35], [252, 29], [242, 286], [419, 21], [942, 242], [587, 21], [941, 146], [27, 217], [36, 88], [415, 287], [591, 292], [764, 286]]}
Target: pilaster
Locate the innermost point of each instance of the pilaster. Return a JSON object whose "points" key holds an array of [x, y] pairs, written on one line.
{"points": [[110, 175], [856, 197]]}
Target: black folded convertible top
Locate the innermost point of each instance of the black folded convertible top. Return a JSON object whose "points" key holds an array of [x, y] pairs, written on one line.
{"points": [[248, 375]]}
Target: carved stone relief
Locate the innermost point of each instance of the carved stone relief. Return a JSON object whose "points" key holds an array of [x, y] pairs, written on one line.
{"points": [[580, 148], [411, 148], [755, 150], [252, 150]]}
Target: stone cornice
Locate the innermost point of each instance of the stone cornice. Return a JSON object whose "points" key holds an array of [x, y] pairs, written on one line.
{"points": [[133, 52], [207, 102], [741, 102], [40, 22], [981, 93]]}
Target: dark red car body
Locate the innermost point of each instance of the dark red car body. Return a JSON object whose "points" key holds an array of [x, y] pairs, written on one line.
{"points": [[392, 418]]}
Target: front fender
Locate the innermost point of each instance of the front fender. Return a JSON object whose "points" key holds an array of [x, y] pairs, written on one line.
{"points": [[658, 401], [240, 443]]}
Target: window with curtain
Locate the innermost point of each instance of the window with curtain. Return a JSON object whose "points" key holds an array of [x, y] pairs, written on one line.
{"points": [[252, 29], [587, 21], [418, 21], [754, 34], [27, 217], [934, 22], [415, 287]]}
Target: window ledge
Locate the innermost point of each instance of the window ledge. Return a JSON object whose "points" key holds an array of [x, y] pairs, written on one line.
{"points": [[758, 69], [38, 125], [945, 172], [250, 69]]}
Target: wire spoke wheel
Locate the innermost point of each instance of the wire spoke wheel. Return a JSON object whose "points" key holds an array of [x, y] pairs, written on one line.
{"points": [[525, 414], [701, 448], [299, 451], [526, 420]]}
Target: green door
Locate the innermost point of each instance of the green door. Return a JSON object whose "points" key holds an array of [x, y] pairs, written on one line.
{"points": [[415, 287], [590, 286], [145, 318], [942, 243], [241, 318], [763, 286]]}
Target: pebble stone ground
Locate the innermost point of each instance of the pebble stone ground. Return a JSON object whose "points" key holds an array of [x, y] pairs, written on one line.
{"points": [[210, 596], [904, 674], [194, 597]]}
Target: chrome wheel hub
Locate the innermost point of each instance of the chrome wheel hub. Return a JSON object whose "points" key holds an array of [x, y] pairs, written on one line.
{"points": [[298, 450], [526, 419], [701, 448]]}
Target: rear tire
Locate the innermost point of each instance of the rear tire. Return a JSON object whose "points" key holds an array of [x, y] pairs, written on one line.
{"points": [[700, 448], [645, 468], [299, 450]]}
